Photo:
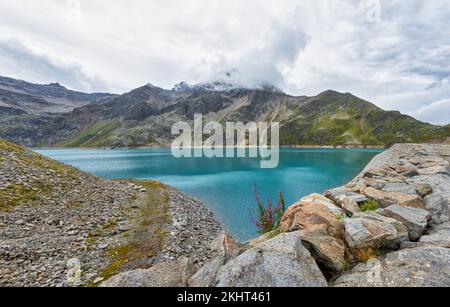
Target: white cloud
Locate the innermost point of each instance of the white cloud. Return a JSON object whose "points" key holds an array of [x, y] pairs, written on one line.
{"points": [[22, 61], [437, 112], [401, 62]]}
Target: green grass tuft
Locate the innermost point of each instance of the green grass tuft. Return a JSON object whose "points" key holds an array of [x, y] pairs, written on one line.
{"points": [[370, 205]]}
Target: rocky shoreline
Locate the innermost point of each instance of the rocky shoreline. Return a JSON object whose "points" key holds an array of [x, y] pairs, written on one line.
{"points": [[388, 227]]}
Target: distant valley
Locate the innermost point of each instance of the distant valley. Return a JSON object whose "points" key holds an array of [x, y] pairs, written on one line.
{"points": [[51, 115]]}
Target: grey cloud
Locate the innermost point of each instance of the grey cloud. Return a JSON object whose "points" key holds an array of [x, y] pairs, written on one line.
{"points": [[20, 61], [265, 63], [301, 46]]}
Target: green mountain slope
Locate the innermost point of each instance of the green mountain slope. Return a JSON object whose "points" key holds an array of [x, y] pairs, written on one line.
{"points": [[343, 119]]}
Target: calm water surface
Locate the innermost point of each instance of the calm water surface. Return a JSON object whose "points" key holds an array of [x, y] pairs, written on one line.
{"points": [[225, 185]]}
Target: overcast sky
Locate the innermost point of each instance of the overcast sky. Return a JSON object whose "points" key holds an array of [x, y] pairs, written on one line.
{"points": [[394, 53]]}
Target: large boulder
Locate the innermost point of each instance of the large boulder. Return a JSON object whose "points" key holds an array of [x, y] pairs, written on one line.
{"points": [[168, 274], [424, 162], [387, 199], [415, 220], [384, 173], [440, 238], [225, 245], [404, 188], [440, 227], [434, 170], [224, 248], [206, 276], [431, 165], [280, 262], [349, 205], [337, 194], [373, 231], [322, 230], [437, 203], [402, 169], [439, 207], [417, 267], [423, 189], [327, 250], [347, 200], [314, 213], [263, 238], [389, 177], [375, 183]]}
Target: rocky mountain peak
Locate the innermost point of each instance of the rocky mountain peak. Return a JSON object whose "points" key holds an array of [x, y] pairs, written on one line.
{"points": [[149, 85], [144, 91], [56, 84], [181, 87], [331, 94]]}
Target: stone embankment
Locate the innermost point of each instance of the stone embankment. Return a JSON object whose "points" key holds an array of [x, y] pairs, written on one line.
{"points": [[390, 226]]}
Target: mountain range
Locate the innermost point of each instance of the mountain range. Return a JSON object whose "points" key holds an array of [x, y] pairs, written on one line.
{"points": [[52, 115], [19, 97]]}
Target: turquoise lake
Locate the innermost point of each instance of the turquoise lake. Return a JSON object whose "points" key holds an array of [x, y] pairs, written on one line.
{"points": [[226, 185]]}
